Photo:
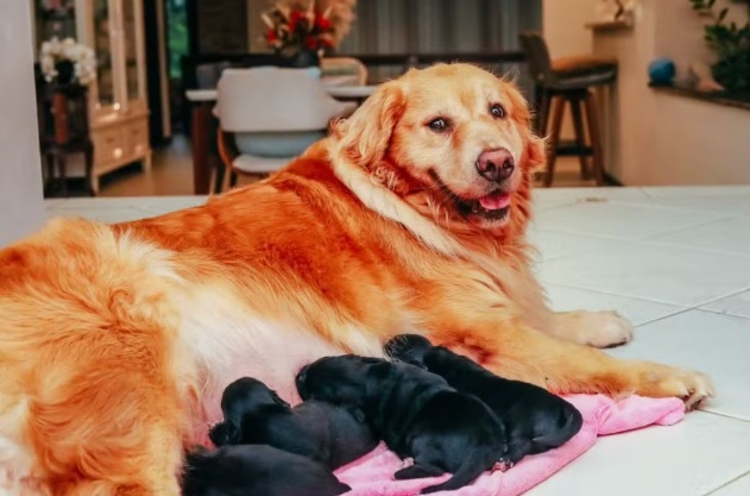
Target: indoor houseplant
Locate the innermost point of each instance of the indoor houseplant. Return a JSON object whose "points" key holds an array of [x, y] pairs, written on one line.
{"points": [[731, 43], [303, 30]]}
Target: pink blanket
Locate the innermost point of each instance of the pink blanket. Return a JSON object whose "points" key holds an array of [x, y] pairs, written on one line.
{"points": [[372, 475]]}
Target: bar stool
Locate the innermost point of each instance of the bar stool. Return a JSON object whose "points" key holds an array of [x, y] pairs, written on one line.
{"points": [[569, 80]]}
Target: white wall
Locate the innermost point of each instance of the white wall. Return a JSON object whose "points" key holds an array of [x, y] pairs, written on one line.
{"points": [[563, 26], [654, 138], [21, 206], [256, 29]]}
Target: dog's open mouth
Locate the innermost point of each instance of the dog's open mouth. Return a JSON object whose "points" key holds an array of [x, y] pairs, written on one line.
{"points": [[494, 206]]}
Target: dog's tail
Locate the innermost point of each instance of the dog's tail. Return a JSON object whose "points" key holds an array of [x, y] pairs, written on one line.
{"points": [[475, 465]]}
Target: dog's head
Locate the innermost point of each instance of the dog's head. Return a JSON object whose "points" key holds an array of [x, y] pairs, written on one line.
{"points": [[454, 136], [243, 399], [340, 380]]}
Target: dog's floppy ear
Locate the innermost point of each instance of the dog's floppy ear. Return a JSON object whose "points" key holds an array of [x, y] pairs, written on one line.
{"points": [[364, 137], [534, 154]]}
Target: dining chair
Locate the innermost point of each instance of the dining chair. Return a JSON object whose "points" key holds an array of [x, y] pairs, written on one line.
{"points": [[268, 116]]}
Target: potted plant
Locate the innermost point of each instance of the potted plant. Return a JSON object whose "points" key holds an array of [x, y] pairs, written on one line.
{"points": [[301, 32], [731, 43], [67, 63]]}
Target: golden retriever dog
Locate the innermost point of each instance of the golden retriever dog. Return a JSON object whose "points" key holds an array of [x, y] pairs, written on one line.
{"points": [[116, 341]]}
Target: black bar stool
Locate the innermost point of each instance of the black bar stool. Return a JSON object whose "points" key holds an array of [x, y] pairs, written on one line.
{"points": [[563, 81]]}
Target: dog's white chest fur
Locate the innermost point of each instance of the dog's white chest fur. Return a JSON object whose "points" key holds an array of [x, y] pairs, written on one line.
{"points": [[225, 340]]}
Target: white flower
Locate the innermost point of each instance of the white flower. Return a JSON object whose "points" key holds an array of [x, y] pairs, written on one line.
{"points": [[83, 58]]}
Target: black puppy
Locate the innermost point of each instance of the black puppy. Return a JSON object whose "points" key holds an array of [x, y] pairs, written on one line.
{"points": [[254, 414], [416, 413], [535, 419], [257, 469]]}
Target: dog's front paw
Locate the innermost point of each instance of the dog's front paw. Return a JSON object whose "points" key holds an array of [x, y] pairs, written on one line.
{"points": [[614, 331], [692, 387], [597, 329]]}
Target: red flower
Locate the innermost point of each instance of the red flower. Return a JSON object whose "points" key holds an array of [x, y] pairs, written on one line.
{"points": [[322, 23], [271, 35], [311, 43], [294, 19]]}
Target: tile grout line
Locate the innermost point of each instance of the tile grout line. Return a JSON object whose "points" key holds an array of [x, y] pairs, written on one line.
{"points": [[731, 481], [700, 224], [631, 297], [719, 298], [725, 314], [663, 317], [725, 415], [649, 241]]}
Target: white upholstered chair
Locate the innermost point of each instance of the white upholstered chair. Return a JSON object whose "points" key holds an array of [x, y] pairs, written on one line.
{"points": [[270, 115]]}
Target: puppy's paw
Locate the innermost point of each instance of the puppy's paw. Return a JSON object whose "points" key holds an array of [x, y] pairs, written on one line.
{"points": [[502, 465], [694, 388], [597, 329]]}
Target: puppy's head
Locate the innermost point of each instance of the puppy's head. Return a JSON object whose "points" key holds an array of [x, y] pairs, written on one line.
{"points": [[244, 398], [409, 348], [340, 380], [455, 133]]}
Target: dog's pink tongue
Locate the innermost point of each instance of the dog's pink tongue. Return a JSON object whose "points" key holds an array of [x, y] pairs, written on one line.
{"points": [[495, 201]]}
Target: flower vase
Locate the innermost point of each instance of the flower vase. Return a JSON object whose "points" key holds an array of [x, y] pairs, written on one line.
{"points": [[65, 72], [305, 58]]}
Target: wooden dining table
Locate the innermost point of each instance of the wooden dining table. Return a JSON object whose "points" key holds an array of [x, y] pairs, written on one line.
{"points": [[204, 125]]}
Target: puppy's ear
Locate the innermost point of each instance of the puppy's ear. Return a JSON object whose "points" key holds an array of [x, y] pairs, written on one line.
{"points": [[364, 137]]}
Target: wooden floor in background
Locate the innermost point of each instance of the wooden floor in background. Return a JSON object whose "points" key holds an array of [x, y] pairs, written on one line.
{"points": [[172, 174]]}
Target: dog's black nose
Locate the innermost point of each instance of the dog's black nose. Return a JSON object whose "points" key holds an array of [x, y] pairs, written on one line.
{"points": [[495, 165]]}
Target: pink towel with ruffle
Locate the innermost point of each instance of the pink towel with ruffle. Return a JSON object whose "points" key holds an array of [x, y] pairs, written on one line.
{"points": [[372, 475]]}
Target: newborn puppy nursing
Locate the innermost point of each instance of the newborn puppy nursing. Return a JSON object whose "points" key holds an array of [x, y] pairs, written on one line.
{"points": [[256, 470], [415, 412], [254, 414], [535, 419]]}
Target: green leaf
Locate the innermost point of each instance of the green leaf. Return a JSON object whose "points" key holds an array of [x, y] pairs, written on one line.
{"points": [[722, 15]]}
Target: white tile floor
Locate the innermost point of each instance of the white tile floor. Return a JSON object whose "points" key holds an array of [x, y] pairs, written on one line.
{"points": [[676, 261]]}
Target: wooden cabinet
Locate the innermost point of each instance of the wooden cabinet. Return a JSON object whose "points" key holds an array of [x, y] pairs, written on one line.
{"points": [[119, 108], [118, 102]]}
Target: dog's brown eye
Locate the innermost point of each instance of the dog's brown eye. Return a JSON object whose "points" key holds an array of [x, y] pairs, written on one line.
{"points": [[438, 125], [498, 111]]}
